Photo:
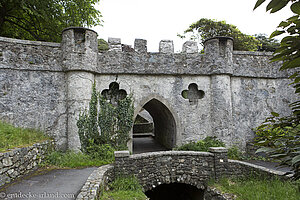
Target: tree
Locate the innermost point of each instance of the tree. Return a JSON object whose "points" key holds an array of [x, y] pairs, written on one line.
{"points": [[266, 43], [280, 137], [44, 20], [207, 28]]}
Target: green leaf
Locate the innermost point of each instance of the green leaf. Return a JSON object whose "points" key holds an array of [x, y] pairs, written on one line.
{"points": [[273, 4], [295, 7], [296, 159], [284, 24], [264, 149], [276, 33], [258, 3], [275, 114]]}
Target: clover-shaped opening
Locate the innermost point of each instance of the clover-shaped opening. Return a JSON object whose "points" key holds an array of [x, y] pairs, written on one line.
{"points": [[193, 94], [114, 94]]}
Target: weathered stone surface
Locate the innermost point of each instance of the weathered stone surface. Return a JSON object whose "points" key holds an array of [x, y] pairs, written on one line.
{"points": [[166, 46], [140, 45], [45, 85], [20, 161], [190, 47]]}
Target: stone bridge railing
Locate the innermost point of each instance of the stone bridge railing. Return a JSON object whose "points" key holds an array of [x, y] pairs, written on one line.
{"points": [[153, 169]]}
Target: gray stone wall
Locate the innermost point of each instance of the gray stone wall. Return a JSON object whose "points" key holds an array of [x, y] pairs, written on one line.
{"points": [[96, 183], [45, 85], [153, 169], [33, 87], [20, 161]]}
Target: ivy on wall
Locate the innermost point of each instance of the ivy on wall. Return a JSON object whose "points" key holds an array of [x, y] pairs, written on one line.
{"points": [[105, 126]]}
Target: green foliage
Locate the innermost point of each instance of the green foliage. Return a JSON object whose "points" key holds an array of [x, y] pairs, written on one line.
{"points": [[125, 183], [207, 28], [266, 43], [105, 127], [102, 45], [280, 137], [235, 154], [201, 145], [44, 20], [259, 189], [11, 137], [71, 159], [124, 188]]}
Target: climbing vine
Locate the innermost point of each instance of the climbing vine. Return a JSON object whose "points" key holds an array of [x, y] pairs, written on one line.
{"points": [[105, 127]]}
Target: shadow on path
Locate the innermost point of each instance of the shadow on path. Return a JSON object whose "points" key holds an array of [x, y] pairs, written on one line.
{"points": [[146, 144]]}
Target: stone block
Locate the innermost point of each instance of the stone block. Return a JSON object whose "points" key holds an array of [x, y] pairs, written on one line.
{"points": [[140, 45], [166, 46], [218, 150], [190, 47], [121, 154]]}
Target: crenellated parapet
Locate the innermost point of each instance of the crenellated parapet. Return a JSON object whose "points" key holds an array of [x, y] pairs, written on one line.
{"points": [[220, 92]]}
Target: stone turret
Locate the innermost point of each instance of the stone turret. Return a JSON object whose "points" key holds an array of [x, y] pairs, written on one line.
{"points": [[218, 56], [79, 56]]}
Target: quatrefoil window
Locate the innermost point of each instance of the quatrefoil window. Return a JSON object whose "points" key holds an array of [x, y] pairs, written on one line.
{"points": [[114, 94], [193, 94]]}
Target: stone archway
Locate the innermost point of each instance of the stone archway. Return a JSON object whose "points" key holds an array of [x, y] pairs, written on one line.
{"points": [[164, 123]]}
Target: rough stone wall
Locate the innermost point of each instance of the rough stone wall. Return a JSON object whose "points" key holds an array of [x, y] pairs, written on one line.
{"points": [[33, 87], [96, 183], [153, 169], [227, 93], [20, 161], [193, 168]]}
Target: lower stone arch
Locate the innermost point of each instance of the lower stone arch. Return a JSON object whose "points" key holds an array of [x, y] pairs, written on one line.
{"points": [[165, 125], [175, 191]]}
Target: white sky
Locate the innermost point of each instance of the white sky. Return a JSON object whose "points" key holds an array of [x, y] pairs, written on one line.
{"points": [[155, 20]]}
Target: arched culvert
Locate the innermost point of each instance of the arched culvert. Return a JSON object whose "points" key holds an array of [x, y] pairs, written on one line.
{"points": [[175, 191], [164, 124]]}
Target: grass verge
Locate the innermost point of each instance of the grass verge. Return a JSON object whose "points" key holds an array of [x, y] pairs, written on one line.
{"points": [[259, 189], [124, 188], [12, 137], [71, 159]]}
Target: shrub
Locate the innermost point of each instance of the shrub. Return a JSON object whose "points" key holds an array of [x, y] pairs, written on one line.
{"points": [[201, 145], [279, 138], [105, 127]]}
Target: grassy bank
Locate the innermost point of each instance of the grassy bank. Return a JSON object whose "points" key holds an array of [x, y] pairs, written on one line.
{"points": [[259, 189], [124, 188], [71, 159], [11, 137]]}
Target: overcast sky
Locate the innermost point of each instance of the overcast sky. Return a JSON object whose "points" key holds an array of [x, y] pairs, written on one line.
{"points": [[155, 20]]}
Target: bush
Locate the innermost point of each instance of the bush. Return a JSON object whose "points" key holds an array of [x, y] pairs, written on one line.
{"points": [[105, 127], [235, 154], [279, 138], [201, 145]]}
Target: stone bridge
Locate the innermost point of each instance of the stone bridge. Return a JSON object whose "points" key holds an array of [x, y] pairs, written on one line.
{"points": [[189, 95]]}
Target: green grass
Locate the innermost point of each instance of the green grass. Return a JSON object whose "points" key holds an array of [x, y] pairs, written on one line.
{"points": [[12, 137], [71, 159], [124, 188], [260, 189]]}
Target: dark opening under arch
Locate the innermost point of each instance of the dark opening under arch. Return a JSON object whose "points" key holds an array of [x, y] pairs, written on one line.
{"points": [[164, 123], [175, 191]]}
